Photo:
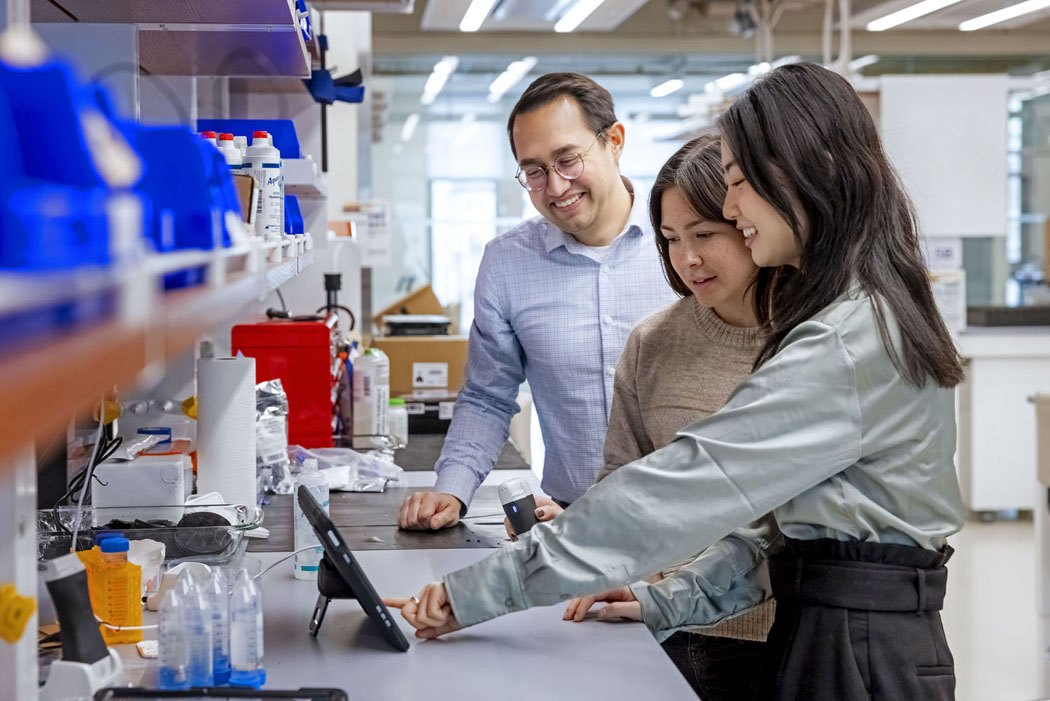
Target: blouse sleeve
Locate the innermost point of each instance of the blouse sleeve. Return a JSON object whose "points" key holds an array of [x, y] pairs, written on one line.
{"points": [[791, 425]]}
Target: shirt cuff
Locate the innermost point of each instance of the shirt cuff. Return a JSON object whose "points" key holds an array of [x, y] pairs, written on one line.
{"points": [[652, 616], [487, 589], [460, 482]]}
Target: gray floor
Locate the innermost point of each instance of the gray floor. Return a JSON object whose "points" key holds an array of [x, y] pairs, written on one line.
{"points": [[990, 612]]}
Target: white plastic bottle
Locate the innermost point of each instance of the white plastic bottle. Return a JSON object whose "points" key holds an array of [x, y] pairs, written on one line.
{"points": [[232, 154], [171, 646], [241, 142], [217, 589], [371, 399], [209, 136], [264, 163], [311, 479], [196, 631], [246, 634], [397, 420]]}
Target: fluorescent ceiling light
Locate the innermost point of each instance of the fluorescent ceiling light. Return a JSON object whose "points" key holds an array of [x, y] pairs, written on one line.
{"points": [[475, 15], [728, 82], [442, 70], [909, 13], [510, 77], [409, 127], [863, 62], [579, 12], [1021, 8], [667, 87]]}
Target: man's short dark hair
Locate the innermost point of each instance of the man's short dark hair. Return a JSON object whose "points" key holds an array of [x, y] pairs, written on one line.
{"points": [[595, 101]]}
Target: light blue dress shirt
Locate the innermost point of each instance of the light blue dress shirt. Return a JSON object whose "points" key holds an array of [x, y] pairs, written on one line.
{"points": [[557, 313], [826, 435]]}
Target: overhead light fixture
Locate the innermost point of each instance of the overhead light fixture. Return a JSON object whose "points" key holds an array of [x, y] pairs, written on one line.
{"points": [[579, 12], [556, 9], [728, 82], [667, 87], [1021, 8], [863, 62], [510, 77], [909, 13], [475, 15], [442, 70], [470, 126], [409, 127]]}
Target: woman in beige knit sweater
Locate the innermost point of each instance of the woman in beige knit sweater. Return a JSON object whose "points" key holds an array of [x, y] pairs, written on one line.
{"points": [[680, 365]]}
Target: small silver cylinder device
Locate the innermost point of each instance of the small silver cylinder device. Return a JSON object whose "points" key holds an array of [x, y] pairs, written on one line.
{"points": [[518, 503]]}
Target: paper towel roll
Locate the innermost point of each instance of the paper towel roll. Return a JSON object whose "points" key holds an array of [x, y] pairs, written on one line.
{"points": [[226, 428]]}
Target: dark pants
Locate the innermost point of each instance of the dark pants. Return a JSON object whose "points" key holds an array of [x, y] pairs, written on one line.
{"points": [[858, 621], [718, 669]]}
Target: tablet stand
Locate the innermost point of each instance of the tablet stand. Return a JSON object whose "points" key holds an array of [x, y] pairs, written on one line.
{"points": [[329, 586]]}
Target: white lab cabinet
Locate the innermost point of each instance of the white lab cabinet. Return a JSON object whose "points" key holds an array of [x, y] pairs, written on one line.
{"points": [[996, 425]]}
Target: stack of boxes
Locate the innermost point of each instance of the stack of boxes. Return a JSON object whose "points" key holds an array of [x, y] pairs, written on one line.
{"points": [[426, 371]]}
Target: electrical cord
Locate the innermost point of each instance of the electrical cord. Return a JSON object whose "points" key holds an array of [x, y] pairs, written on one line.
{"points": [[284, 307], [90, 473], [286, 557]]}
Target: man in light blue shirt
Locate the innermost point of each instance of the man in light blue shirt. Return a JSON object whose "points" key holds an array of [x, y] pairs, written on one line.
{"points": [[555, 300]]}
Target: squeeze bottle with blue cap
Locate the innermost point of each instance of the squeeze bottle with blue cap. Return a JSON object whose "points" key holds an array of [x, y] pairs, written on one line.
{"points": [[264, 163], [115, 588], [196, 620], [246, 634], [172, 660], [312, 480]]}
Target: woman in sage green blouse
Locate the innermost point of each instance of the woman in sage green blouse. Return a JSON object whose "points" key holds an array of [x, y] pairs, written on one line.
{"points": [[845, 433]]}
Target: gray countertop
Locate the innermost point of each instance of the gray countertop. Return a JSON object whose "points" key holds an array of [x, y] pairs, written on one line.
{"points": [[527, 655]]}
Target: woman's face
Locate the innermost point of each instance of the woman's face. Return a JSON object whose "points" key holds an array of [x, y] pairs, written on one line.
{"points": [[766, 233], [709, 256]]}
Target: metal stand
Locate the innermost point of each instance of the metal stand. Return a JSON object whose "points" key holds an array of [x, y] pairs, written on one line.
{"points": [[330, 586]]}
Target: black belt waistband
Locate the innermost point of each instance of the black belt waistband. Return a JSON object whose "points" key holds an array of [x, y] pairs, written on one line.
{"points": [[858, 584]]}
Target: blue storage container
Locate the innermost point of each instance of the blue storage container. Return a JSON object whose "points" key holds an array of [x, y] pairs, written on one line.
{"points": [[293, 216]]}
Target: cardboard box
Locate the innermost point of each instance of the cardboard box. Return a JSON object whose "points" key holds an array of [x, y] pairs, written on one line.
{"points": [[424, 366], [422, 301]]}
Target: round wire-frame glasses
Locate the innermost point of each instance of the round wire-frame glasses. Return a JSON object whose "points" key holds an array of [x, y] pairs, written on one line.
{"points": [[569, 166]]}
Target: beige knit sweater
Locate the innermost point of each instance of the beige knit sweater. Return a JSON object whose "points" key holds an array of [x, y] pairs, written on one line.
{"points": [[680, 365]]}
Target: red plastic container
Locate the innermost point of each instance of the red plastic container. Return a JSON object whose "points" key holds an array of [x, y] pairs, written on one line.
{"points": [[299, 353]]}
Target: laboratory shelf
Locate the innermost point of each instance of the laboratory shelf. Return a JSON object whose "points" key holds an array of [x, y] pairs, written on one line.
{"points": [[303, 178], [43, 384], [199, 37]]}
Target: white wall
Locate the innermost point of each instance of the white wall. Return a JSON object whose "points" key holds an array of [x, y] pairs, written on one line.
{"points": [[946, 134]]}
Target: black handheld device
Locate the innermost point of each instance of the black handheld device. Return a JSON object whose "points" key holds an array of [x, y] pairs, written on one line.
{"points": [[340, 577]]}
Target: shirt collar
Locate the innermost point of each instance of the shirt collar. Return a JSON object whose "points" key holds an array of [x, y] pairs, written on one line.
{"points": [[637, 222]]}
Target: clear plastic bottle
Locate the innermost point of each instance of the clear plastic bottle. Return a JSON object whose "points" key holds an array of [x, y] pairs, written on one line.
{"points": [[171, 644], [397, 420], [196, 620], [216, 587], [371, 399], [311, 479], [246, 634]]}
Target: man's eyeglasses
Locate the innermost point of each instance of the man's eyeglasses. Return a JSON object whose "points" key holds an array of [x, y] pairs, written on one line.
{"points": [[569, 166]]}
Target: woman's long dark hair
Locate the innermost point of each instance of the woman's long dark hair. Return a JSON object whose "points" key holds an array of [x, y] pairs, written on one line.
{"points": [[696, 171], [806, 144]]}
